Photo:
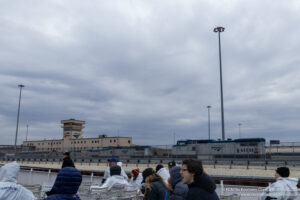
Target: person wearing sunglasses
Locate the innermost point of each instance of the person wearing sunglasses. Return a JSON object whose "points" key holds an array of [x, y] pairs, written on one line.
{"points": [[201, 186]]}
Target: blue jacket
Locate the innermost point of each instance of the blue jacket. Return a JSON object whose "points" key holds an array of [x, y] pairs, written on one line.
{"points": [[66, 185], [180, 190]]}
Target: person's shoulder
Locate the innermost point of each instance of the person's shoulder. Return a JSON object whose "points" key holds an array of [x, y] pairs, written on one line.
{"points": [[195, 190], [157, 185], [162, 170], [279, 182], [62, 196], [11, 186], [180, 185], [181, 189], [22, 188], [109, 179], [70, 170], [5, 184], [54, 197]]}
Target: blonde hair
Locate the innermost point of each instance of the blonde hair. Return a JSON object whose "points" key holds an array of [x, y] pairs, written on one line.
{"points": [[150, 178]]}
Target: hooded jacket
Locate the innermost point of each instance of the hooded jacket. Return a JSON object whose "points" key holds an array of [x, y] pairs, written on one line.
{"points": [[282, 189], [180, 190], [9, 189], [158, 190], [203, 188], [107, 172], [164, 173], [115, 181], [66, 185]]}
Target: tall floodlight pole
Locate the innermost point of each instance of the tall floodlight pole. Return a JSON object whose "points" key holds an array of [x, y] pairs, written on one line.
{"points": [[174, 138], [219, 30], [208, 116], [20, 86], [26, 131], [240, 129]]}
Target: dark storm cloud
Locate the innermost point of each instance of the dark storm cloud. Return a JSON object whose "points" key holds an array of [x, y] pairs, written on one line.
{"points": [[149, 69]]}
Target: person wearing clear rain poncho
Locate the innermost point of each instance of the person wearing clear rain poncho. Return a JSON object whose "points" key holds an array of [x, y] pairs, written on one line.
{"points": [[116, 180], [9, 189], [285, 187], [136, 178], [112, 162]]}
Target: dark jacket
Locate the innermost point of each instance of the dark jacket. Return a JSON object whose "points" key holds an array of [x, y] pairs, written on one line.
{"points": [[67, 162], [66, 185], [158, 190], [180, 190], [203, 188]]}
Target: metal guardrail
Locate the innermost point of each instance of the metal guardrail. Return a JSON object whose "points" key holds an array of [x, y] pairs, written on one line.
{"points": [[227, 162]]}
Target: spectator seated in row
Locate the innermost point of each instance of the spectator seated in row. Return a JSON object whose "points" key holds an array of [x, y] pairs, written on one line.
{"points": [[155, 187], [112, 162], [171, 164], [115, 180], [9, 189], [179, 190], [201, 186], [66, 185], [284, 187], [136, 178]]}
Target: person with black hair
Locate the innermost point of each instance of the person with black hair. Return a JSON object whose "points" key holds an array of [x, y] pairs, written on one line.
{"points": [[112, 162], [163, 172], [67, 161], [201, 186], [115, 180], [66, 185], [284, 187], [171, 164]]}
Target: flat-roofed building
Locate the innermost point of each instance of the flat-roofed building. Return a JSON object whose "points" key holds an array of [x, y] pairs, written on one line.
{"points": [[73, 140]]}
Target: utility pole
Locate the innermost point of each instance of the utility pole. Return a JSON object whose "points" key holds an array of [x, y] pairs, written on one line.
{"points": [[26, 131], [219, 30], [174, 138], [240, 129], [20, 86], [208, 116]]}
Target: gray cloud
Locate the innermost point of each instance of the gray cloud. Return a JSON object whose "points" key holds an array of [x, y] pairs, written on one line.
{"points": [[149, 69]]}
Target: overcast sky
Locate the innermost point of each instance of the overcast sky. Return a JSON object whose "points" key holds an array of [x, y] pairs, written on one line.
{"points": [[148, 69]]}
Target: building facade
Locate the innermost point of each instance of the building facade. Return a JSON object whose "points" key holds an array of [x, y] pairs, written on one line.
{"points": [[73, 140]]}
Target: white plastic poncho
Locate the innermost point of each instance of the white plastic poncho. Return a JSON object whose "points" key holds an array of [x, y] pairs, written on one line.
{"points": [[164, 173], [107, 172], [137, 183], [115, 181], [9, 189], [283, 189]]}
